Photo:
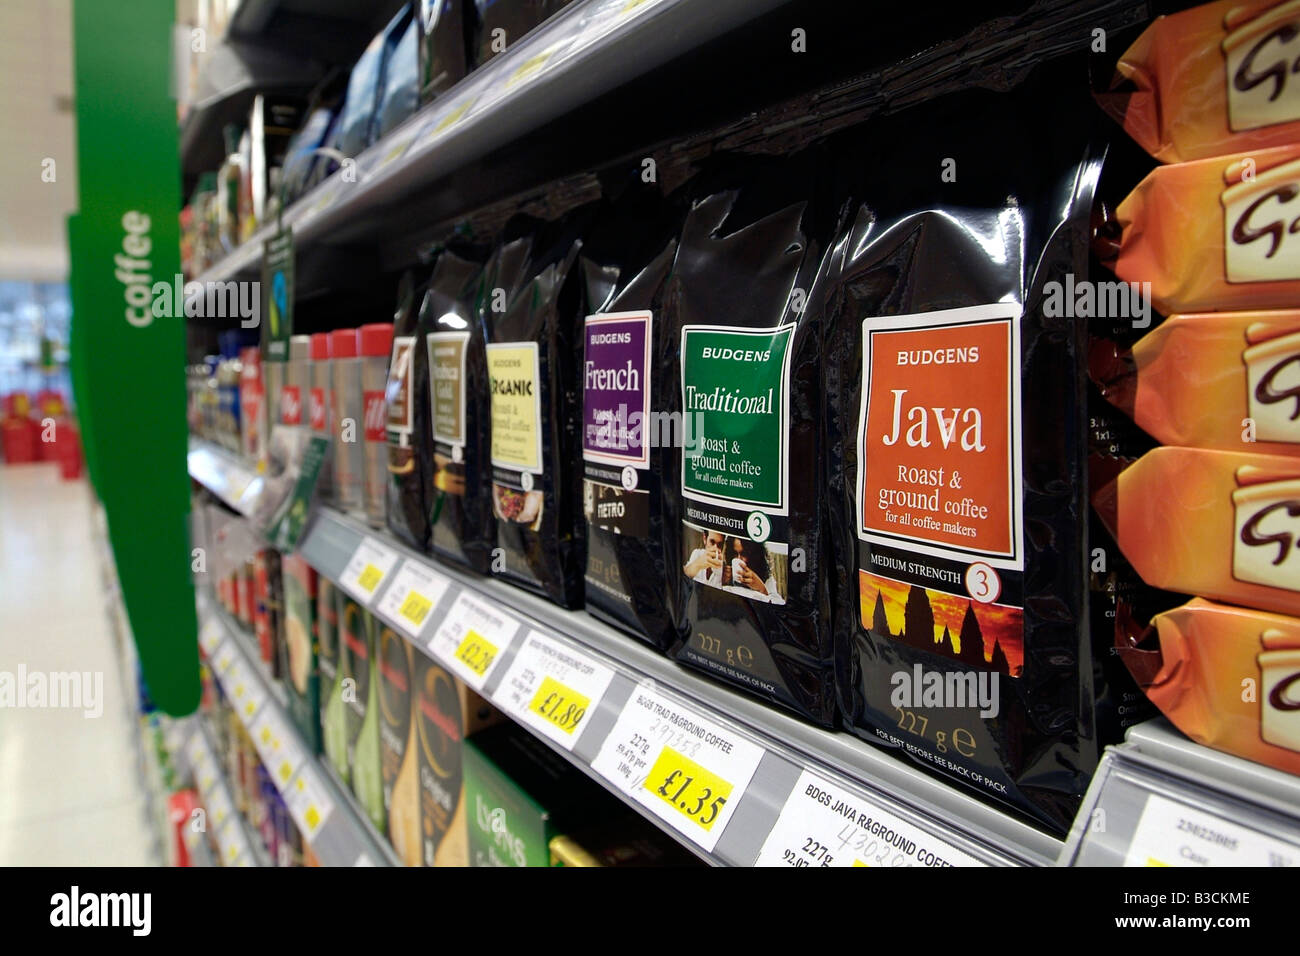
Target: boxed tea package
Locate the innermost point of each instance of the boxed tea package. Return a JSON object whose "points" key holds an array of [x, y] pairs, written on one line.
{"points": [[1215, 234], [528, 315], [463, 523], [629, 495], [1217, 524], [357, 641], [302, 678], [409, 486], [748, 386], [958, 442], [519, 795], [446, 713], [1223, 380], [444, 44], [1225, 676], [328, 598], [1218, 78], [397, 755]]}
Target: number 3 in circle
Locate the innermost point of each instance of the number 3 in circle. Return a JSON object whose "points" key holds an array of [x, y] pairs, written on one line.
{"points": [[983, 583], [758, 525]]}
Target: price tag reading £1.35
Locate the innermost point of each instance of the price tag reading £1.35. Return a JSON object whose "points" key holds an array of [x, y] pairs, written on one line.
{"points": [[414, 593], [367, 569], [687, 769], [824, 824], [472, 638], [552, 687]]}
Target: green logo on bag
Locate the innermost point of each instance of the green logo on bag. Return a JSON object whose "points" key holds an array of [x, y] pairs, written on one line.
{"points": [[735, 384]]}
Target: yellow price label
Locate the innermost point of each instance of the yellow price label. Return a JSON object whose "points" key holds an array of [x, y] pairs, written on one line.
{"points": [[232, 851], [453, 116], [313, 817], [369, 578], [301, 786], [1152, 861], [860, 863], [527, 68], [477, 652], [559, 705], [266, 735], [691, 790], [285, 770], [206, 783], [415, 608], [249, 708], [632, 5], [239, 690]]}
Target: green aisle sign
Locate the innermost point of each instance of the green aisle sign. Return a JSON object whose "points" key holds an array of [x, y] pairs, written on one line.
{"points": [[128, 361]]}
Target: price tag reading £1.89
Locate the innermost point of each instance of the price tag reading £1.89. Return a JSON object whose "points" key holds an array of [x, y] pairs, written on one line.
{"points": [[414, 593], [367, 569], [552, 687], [308, 804], [472, 638], [1170, 833], [687, 769], [825, 824]]}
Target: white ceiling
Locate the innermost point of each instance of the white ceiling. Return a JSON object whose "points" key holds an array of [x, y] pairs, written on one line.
{"points": [[36, 123]]}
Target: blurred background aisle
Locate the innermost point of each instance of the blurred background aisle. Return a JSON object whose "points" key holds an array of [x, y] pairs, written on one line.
{"points": [[70, 791]]}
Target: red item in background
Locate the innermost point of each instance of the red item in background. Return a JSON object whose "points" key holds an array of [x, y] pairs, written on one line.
{"points": [[19, 439], [180, 810]]}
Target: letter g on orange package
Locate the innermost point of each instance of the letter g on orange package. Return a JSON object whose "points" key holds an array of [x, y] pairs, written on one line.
{"points": [[1216, 79], [1218, 234]]}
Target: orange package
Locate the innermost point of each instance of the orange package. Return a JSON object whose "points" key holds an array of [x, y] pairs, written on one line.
{"points": [[1214, 380], [1213, 80], [1216, 234], [1228, 678], [1221, 524]]}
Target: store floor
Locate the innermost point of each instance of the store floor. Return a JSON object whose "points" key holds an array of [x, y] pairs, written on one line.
{"points": [[69, 787]]}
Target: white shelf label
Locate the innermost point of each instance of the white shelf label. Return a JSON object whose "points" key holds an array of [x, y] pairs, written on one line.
{"points": [[1170, 833], [220, 809], [246, 691], [825, 824], [687, 769], [472, 638], [225, 659], [233, 846], [308, 801], [411, 598], [553, 687], [367, 569], [210, 637], [197, 752], [278, 747]]}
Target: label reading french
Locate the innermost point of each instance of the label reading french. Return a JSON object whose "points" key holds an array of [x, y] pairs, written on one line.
{"points": [[616, 388], [652, 755], [735, 386], [411, 598], [939, 433], [825, 825], [447, 385], [552, 687], [514, 387], [471, 639], [367, 568], [1170, 833]]}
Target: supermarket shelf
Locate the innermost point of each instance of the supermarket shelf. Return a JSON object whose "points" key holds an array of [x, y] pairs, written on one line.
{"points": [[1158, 778], [329, 820], [531, 633], [236, 843], [230, 478]]}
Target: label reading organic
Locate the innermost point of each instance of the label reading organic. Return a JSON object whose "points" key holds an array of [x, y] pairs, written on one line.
{"points": [[552, 687], [689, 770], [367, 568], [616, 421], [735, 474], [414, 593], [471, 639], [515, 389], [447, 352], [824, 824], [939, 486], [1170, 833]]}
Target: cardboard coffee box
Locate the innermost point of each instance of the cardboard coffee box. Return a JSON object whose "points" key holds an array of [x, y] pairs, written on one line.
{"points": [[358, 690], [301, 642], [446, 713], [397, 745]]}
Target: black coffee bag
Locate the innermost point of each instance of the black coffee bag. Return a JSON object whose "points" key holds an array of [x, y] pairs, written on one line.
{"points": [[957, 436], [529, 316], [463, 525], [747, 383], [627, 440], [408, 489]]}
